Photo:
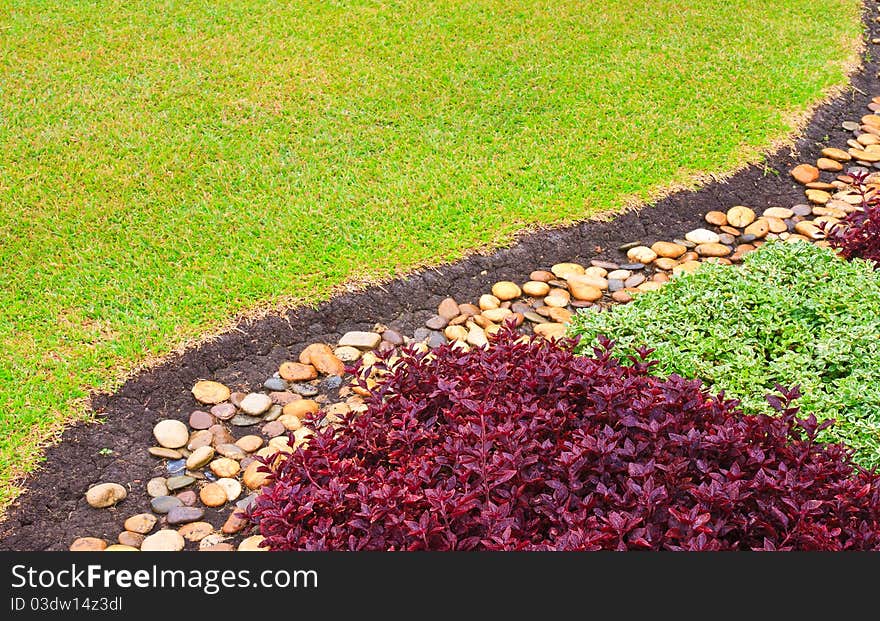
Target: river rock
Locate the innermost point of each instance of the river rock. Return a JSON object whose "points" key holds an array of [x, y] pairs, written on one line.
{"points": [[88, 544], [667, 250], [200, 457], [702, 236], [142, 523], [105, 495], [209, 392], [805, 173], [166, 540], [171, 433], [252, 544], [642, 254], [213, 495], [506, 290], [195, 531], [740, 216]]}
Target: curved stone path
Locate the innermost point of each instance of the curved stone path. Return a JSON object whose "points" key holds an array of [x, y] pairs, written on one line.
{"points": [[54, 513]]}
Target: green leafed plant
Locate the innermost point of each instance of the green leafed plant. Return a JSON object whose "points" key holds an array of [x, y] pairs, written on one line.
{"points": [[792, 314]]}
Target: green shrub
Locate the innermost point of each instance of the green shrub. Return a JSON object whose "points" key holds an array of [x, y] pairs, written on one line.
{"points": [[792, 314]]}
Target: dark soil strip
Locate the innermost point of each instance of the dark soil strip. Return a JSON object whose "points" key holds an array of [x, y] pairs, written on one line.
{"points": [[52, 512]]}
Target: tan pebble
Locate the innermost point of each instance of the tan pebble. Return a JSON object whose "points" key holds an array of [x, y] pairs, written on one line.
{"points": [[865, 155], [164, 453], [321, 356], [641, 254], [487, 302], [506, 290], [688, 267], [454, 333], [448, 308], [346, 353], [660, 277], [118, 547], [558, 297], [536, 289], [541, 276], [776, 225], [587, 291], [740, 216], [713, 250], [562, 270], [297, 371], [483, 320], [301, 408], [759, 228], [871, 119], [550, 330], [819, 197], [195, 531], [664, 263], [649, 285], [668, 250], [826, 163], [88, 544], [805, 173], [778, 212], [210, 393], [588, 279], [595, 270], [142, 523], [477, 337], [225, 467], [105, 495], [231, 486], [200, 457], [164, 541], [836, 154], [702, 236], [212, 495], [254, 479], [496, 315], [290, 422], [252, 544], [560, 315], [688, 256], [718, 218]]}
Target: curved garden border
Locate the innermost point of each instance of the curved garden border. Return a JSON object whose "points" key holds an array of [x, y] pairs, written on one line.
{"points": [[52, 512]]}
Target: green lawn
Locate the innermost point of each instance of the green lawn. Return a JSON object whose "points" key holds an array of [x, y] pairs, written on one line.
{"points": [[167, 165]]}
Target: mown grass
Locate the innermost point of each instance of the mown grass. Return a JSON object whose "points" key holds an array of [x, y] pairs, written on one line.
{"points": [[167, 165]]}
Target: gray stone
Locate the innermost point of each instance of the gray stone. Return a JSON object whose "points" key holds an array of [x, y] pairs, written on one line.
{"points": [[164, 504], [176, 466], [634, 281], [179, 482], [629, 245], [436, 340], [633, 267], [850, 126], [436, 323], [275, 384], [304, 390], [331, 383], [184, 515], [274, 413], [243, 420], [615, 285]]}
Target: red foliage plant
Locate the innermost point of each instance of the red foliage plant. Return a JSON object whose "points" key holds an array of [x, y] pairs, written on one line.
{"points": [[858, 235], [525, 446]]}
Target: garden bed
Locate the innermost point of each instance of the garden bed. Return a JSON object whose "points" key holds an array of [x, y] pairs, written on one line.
{"points": [[53, 511]]}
